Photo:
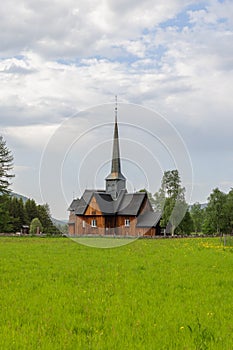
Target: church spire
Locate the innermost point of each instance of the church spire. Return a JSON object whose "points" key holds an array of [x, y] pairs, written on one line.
{"points": [[116, 162], [116, 180]]}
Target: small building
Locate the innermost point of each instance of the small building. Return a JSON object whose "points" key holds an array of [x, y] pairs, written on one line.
{"points": [[113, 211], [25, 229]]}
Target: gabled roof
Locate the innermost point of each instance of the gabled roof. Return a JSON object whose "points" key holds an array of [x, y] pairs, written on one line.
{"points": [[74, 204], [80, 205], [84, 201], [105, 203], [125, 204], [131, 203], [149, 219]]}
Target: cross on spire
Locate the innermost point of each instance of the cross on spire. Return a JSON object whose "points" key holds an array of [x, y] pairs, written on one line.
{"points": [[115, 108]]}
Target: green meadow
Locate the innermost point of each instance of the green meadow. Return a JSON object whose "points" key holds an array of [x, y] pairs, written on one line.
{"points": [[149, 294]]}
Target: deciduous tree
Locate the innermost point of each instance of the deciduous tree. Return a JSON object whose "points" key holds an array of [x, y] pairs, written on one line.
{"points": [[197, 214], [215, 214], [171, 200], [35, 226]]}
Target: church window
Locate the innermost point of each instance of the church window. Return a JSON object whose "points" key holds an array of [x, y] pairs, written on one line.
{"points": [[127, 222], [93, 223]]}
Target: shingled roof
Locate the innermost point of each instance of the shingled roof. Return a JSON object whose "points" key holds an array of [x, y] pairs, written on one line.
{"points": [[74, 204], [125, 204], [149, 219], [131, 203]]}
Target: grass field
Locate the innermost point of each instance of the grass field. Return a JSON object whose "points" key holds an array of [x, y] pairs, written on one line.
{"points": [[150, 294]]}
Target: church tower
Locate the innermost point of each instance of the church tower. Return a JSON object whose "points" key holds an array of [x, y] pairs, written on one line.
{"points": [[115, 181]]}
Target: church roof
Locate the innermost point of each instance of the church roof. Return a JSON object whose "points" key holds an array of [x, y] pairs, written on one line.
{"points": [[149, 219], [74, 204], [125, 204], [131, 203]]}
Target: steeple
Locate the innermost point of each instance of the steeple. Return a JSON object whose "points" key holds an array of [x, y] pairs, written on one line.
{"points": [[115, 182]]}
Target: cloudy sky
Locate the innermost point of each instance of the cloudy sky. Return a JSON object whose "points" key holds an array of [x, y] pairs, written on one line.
{"points": [[61, 58]]}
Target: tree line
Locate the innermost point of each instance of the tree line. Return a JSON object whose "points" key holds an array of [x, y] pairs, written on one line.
{"points": [[216, 217], [14, 213]]}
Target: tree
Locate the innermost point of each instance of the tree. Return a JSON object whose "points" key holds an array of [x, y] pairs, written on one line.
{"points": [[6, 221], [35, 226], [6, 165], [186, 226], [197, 215], [17, 211], [170, 200], [45, 218], [228, 209], [150, 197], [215, 214], [62, 228], [31, 210]]}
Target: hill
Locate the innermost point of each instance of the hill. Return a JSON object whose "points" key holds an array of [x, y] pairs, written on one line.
{"points": [[17, 195]]}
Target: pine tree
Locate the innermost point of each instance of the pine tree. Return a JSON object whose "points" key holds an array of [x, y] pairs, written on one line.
{"points": [[31, 210], [6, 165], [6, 221], [17, 211], [45, 218]]}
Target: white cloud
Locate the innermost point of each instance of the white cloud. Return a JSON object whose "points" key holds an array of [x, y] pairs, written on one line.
{"points": [[63, 29], [34, 135], [58, 58]]}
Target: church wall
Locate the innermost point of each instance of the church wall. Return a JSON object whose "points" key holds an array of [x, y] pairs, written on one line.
{"points": [[71, 223], [147, 231], [83, 225], [126, 230], [109, 225]]}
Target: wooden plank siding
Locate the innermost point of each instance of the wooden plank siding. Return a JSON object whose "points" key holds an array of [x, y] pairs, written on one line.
{"points": [[82, 226], [108, 225], [93, 208]]}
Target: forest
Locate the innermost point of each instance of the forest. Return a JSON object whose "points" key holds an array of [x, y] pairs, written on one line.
{"points": [[14, 212]]}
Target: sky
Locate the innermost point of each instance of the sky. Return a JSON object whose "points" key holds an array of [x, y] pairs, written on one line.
{"points": [[171, 65]]}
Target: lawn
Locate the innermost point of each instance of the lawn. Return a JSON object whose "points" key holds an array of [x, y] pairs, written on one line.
{"points": [[149, 294]]}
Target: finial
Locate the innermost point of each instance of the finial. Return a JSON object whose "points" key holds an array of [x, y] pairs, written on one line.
{"points": [[115, 108]]}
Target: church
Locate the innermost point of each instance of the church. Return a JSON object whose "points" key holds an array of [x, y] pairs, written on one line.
{"points": [[113, 211]]}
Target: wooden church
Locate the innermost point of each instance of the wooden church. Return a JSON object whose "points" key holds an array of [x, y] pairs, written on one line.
{"points": [[113, 211]]}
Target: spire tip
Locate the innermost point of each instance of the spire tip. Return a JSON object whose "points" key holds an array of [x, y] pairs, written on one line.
{"points": [[115, 107]]}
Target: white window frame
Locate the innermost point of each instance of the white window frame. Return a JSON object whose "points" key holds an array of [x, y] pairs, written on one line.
{"points": [[93, 223], [84, 223], [127, 222]]}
